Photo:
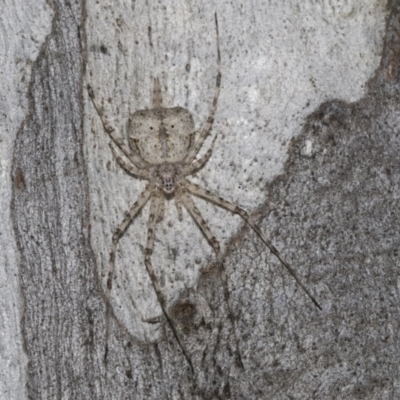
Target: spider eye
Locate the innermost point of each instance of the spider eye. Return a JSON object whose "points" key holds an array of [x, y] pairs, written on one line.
{"points": [[172, 126]]}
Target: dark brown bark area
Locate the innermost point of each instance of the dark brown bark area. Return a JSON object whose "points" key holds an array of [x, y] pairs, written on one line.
{"points": [[337, 213], [337, 210]]}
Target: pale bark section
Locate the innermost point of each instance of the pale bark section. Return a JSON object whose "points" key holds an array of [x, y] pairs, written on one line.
{"points": [[334, 211], [279, 61]]}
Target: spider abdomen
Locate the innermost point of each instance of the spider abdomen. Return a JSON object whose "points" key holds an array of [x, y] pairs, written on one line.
{"points": [[161, 133]]}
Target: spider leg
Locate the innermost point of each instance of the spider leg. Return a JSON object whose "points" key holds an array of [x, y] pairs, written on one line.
{"points": [[157, 95], [128, 165], [205, 194], [195, 213], [153, 217], [190, 169], [115, 137], [178, 204], [161, 211], [119, 232], [210, 120], [192, 142], [139, 161]]}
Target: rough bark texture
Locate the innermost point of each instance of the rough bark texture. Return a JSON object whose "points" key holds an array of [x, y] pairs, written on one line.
{"points": [[335, 208], [62, 305]]}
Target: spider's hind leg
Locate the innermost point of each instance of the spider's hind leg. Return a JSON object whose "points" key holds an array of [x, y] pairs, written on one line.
{"points": [[233, 208], [119, 232], [155, 208], [178, 204], [161, 211], [195, 213]]}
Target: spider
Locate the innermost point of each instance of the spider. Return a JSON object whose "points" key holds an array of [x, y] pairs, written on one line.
{"points": [[162, 150]]}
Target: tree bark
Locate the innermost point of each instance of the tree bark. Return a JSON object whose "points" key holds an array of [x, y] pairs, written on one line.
{"points": [[331, 208]]}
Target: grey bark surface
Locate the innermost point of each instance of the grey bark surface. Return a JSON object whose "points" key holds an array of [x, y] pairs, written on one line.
{"points": [[334, 210]]}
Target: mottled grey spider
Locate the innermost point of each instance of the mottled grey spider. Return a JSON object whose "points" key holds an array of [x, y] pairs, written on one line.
{"points": [[162, 150]]}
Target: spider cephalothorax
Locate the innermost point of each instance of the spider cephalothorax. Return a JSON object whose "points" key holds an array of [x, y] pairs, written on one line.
{"points": [[162, 150], [167, 177]]}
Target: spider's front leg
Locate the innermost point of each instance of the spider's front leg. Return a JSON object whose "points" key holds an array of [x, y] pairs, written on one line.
{"points": [[210, 120], [128, 166], [136, 159], [195, 213], [194, 166], [155, 209]]}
